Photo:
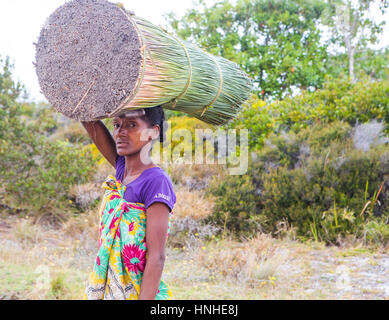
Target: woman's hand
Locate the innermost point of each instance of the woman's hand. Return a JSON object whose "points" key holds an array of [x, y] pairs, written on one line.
{"points": [[156, 236]]}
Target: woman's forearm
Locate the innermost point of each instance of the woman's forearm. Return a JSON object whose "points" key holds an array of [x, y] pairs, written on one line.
{"points": [[102, 138], [151, 278], [92, 126]]}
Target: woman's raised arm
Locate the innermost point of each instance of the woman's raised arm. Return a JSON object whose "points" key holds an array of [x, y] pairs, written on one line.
{"points": [[103, 139]]}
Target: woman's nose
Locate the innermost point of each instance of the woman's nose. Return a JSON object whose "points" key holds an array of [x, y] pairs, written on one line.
{"points": [[122, 128], [120, 131]]}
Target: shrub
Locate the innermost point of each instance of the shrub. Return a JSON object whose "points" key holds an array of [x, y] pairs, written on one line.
{"points": [[35, 172], [316, 180], [73, 132], [235, 204], [194, 176], [187, 123], [189, 233], [376, 232], [367, 134], [86, 195], [338, 100]]}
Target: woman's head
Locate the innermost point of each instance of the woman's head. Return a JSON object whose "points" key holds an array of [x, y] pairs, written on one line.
{"points": [[136, 129]]}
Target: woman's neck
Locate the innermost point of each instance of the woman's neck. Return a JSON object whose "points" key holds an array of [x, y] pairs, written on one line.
{"points": [[134, 165]]}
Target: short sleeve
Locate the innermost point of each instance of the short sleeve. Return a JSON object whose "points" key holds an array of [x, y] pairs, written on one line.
{"points": [[160, 189]]}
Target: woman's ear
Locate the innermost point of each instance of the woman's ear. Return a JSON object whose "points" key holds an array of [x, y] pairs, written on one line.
{"points": [[156, 132]]}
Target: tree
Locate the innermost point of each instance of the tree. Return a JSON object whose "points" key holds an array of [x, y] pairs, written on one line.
{"points": [[352, 28], [370, 62], [277, 42]]}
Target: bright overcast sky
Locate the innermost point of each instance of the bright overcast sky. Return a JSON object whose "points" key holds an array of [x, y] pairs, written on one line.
{"points": [[22, 20]]}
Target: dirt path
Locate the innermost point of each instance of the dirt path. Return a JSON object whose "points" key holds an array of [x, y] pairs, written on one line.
{"points": [[350, 274], [320, 272]]}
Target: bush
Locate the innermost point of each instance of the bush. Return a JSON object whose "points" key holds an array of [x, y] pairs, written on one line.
{"points": [[35, 171], [73, 132], [190, 233], [194, 177], [338, 100], [235, 204], [317, 180], [187, 123], [86, 195], [376, 232], [37, 174]]}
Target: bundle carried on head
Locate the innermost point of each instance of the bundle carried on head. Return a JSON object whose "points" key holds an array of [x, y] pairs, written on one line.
{"points": [[95, 60]]}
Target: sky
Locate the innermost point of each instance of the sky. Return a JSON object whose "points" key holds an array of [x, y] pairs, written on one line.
{"points": [[22, 20]]}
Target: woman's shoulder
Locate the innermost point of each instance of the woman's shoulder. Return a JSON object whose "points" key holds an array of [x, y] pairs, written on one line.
{"points": [[156, 176], [157, 173]]}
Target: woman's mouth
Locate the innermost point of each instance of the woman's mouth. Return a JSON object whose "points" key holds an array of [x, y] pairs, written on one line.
{"points": [[121, 144]]}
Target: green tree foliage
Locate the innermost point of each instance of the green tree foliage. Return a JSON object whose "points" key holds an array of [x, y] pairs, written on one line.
{"points": [[35, 171], [368, 62], [276, 42], [353, 28]]}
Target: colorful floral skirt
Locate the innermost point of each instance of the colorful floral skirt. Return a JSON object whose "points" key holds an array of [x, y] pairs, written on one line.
{"points": [[121, 259]]}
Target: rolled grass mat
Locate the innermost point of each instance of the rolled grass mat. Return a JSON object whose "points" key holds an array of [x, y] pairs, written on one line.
{"points": [[95, 60]]}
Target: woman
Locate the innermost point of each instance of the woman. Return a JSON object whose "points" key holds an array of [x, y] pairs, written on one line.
{"points": [[137, 206]]}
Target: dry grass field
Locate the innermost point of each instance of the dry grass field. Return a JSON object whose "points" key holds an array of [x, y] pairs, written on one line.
{"points": [[38, 262]]}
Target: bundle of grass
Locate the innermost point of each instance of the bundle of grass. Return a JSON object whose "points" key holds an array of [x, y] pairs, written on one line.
{"points": [[95, 60]]}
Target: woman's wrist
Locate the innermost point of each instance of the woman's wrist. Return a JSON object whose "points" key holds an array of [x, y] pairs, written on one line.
{"points": [[146, 297], [151, 279]]}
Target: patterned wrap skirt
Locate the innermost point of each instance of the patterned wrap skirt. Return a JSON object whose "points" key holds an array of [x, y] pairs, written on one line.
{"points": [[122, 254]]}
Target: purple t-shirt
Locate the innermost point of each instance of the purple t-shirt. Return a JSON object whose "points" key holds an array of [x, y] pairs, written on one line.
{"points": [[153, 185]]}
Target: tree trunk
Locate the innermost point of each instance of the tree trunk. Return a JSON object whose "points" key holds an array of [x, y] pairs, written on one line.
{"points": [[351, 65]]}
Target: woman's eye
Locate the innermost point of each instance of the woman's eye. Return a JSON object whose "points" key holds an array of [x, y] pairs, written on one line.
{"points": [[128, 125]]}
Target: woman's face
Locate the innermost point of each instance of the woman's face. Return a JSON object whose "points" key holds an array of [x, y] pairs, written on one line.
{"points": [[131, 134]]}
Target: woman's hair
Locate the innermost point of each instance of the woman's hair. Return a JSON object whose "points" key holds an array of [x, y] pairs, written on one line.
{"points": [[156, 116]]}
